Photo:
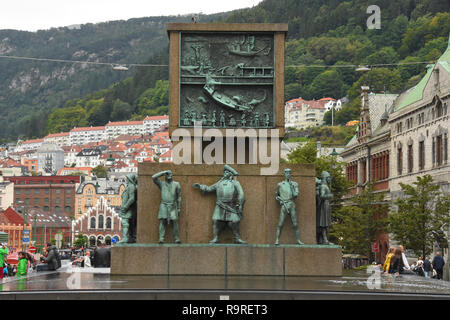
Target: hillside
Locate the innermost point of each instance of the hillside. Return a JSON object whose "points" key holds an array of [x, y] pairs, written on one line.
{"points": [[30, 90]]}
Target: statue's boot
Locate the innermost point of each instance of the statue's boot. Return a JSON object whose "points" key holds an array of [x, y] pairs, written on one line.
{"points": [[215, 234], [124, 232], [297, 234], [162, 231], [175, 231], [237, 238], [324, 237], [277, 241]]}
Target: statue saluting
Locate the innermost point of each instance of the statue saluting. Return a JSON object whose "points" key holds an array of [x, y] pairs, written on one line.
{"points": [[229, 203]]}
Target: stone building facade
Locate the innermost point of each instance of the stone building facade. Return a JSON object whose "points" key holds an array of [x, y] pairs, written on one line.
{"points": [[99, 223]]}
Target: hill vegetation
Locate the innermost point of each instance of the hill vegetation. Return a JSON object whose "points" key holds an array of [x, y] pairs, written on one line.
{"points": [[326, 38]]}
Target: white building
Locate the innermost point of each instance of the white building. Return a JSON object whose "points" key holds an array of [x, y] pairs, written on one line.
{"points": [[88, 158], [150, 124], [115, 129], [50, 158], [6, 193], [420, 124], [302, 114], [60, 139], [29, 145], [80, 136]]}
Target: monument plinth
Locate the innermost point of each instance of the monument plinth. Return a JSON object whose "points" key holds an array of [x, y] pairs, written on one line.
{"points": [[226, 78]]}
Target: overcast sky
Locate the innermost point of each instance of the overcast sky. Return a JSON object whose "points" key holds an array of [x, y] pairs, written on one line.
{"points": [[32, 15]]}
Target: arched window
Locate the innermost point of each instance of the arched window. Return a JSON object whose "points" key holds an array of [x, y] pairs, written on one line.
{"points": [[100, 240], [108, 223], [92, 241], [108, 240], [93, 223], [100, 222]]}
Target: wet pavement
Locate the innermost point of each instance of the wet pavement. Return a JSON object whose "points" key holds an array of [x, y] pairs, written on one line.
{"points": [[73, 279]]}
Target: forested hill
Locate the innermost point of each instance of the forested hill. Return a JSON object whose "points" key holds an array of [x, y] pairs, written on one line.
{"points": [[31, 90], [321, 32]]}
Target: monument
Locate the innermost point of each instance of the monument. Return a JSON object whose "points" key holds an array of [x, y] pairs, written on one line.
{"points": [[228, 78]]}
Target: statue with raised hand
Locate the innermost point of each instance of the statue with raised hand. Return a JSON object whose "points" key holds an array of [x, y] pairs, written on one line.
{"points": [[170, 207], [128, 210], [324, 211], [229, 204], [286, 193]]}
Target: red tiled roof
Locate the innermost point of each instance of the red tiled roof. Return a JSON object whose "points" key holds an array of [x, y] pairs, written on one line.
{"points": [[88, 129], [326, 99], [296, 100], [33, 141], [56, 135], [8, 163], [124, 123], [164, 117], [13, 216]]}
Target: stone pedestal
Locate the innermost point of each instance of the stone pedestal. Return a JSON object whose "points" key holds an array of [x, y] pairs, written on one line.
{"points": [[226, 260]]}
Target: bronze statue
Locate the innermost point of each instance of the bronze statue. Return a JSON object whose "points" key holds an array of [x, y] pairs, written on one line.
{"points": [[287, 191], [324, 211], [128, 210], [229, 204], [170, 207]]}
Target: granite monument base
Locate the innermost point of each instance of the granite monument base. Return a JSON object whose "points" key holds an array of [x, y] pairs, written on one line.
{"points": [[226, 260]]}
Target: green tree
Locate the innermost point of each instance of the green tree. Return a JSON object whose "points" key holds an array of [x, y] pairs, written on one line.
{"points": [[100, 171], [327, 84], [359, 222], [80, 241], [378, 79], [422, 215], [307, 153]]}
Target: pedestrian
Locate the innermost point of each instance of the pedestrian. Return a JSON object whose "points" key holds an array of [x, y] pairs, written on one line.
{"points": [[102, 256], [404, 260], [427, 267], [53, 260], [387, 262], [438, 264], [396, 266], [3, 255], [23, 264], [87, 260]]}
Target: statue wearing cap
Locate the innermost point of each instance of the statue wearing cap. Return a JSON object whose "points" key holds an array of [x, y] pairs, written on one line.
{"points": [[229, 203], [286, 193], [169, 209], [128, 210]]}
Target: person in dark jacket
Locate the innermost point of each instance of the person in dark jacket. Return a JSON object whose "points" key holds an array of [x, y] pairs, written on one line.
{"points": [[396, 262], [426, 267], [438, 264], [102, 256], [53, 259]]}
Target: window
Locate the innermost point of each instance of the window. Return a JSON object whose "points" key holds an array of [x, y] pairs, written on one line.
{"points": [[36, 200], [421, 155], [17, 191], [399, 161], [100, 222], [93, 222], [410, 158], [27, 201], [67, 200], [439, 150], [68, 191], [108, 223], [58, 191], [46, 208], [57, 200], [46, 200], [57, 208], [68, 209], [36, 191], [27, 191]]}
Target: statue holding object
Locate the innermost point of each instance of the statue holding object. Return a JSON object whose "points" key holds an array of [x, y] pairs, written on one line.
{"points": [[324, 208], [286, 193], [229, 204]]}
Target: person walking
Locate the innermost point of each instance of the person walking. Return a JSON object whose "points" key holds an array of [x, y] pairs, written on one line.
{"points": [[438, 264], [426, 267], [396, 266], [87, 260], [387, 262], [22, 266], [404, 260], [3, 255]]}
